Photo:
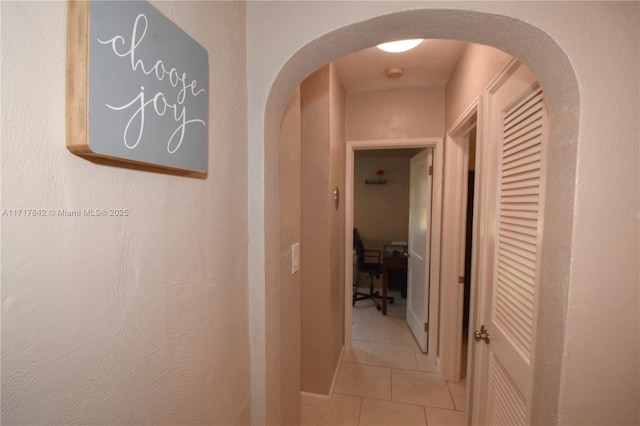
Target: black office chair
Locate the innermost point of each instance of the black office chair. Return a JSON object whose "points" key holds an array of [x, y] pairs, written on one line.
{"points": [[368, 263]]}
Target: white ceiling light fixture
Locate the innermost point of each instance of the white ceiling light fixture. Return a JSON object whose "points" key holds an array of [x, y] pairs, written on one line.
{"points": [[400, 45]]}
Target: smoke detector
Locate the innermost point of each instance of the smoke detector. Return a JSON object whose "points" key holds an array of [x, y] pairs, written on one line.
{"points": [[394, 72]]}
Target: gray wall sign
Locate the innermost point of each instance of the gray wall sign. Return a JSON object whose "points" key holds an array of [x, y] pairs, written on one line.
{"points": [[137, 88]]}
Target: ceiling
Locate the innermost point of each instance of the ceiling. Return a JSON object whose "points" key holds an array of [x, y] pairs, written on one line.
{"points": [[430, 64]]}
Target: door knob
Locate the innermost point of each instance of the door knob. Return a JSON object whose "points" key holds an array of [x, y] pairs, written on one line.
{"points": [[483, 334]]}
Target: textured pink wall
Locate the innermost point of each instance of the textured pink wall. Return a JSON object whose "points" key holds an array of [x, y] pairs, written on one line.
{"points": [[395, 114], [290, 291], [336, 180], [322, 263], [316, 238], [140, 319]]}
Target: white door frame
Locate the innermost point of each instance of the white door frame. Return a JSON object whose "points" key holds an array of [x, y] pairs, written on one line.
{"points": [[458, 137], [458, 152], [438, 164]]}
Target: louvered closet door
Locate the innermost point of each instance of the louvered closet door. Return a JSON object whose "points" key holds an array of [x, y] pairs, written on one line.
{"points": [[518, 129]]}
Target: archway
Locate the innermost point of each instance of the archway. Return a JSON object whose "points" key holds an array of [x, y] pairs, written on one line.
{"points": [[531, 46]]}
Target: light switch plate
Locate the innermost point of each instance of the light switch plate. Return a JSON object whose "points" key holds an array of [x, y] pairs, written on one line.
{"points": [[295, 258]]}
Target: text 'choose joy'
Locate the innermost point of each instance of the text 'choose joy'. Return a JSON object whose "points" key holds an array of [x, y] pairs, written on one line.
{"points": [[158, 103]]}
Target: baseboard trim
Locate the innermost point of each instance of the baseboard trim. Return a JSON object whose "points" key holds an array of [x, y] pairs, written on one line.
{"points": [[318, 399], [335, 373], [315, 399]]}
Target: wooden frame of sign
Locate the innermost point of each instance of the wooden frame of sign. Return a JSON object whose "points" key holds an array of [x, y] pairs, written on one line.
{"points": [[137, 89]]}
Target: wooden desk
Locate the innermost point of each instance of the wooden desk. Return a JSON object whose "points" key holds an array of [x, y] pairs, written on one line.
{"points": [[390, 262]]}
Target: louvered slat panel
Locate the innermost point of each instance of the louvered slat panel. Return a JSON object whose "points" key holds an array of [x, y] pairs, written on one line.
{"points": [[531, 104], [519, 321], [519, 164], [521, 143], [511, 197], [528, 190], [509, 205], [519, 254], [520, 237], [508, 160], [519, 241], [519, 199], [529, 127], [519, 214], [513, 299], [518, 228], [514, 321], [515, 306], [511, 200], [517, 251], [516, 282], [518, 222], [508, 407], [526, 133], [524, 189], [533, 166], [513, 325], [519, 248], [518, 268], [516, 325], [523, 115], [524, 177]]}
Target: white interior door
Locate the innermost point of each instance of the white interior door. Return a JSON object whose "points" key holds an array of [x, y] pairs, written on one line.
{"points": [[418, 264], [517, 129]]}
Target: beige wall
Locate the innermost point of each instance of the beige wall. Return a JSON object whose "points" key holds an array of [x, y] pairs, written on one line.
{"points": [[395, 114], [477, 66], [314, 263], [381, 212], [122, 320], [290, 315], [322, 264], [337, 180], [589, 245]]}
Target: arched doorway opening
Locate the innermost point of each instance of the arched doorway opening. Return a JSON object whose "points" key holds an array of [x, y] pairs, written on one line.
{"points": [[555, 74]]}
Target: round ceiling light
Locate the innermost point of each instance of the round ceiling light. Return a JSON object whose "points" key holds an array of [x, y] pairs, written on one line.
{"points": [[400, 45]]}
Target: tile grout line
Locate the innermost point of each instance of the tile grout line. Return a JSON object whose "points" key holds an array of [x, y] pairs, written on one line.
{"points": [[391, 372], [391, 384], [451, 396]]}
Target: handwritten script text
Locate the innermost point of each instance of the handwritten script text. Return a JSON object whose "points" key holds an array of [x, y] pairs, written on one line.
{"points": [[158, 103]]}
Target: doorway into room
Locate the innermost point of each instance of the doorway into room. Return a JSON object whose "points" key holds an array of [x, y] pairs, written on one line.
{"points": [[422, 301], [392, 191]]}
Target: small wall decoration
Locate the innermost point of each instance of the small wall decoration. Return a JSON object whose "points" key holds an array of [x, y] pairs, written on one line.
{"points": [[137, 88], [379, 180]]}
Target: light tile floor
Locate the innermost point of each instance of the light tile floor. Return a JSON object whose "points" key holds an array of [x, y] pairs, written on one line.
{"points": [[386, 379]]}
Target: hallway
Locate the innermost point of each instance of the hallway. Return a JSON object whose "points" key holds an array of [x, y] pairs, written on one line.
{"points": [[386, 379]]}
